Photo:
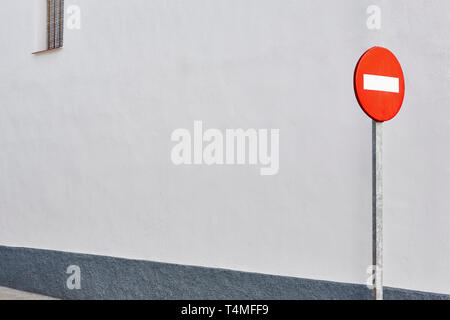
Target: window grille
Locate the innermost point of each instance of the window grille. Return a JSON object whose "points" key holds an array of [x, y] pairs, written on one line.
{"points": [[55, 24]]}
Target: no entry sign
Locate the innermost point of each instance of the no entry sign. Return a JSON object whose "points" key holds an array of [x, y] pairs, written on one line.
{"points": [[379, 84], [380, 89]]}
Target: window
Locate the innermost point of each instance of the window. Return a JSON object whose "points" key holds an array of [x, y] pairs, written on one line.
{"points": [[55, 24], [51, 14]]}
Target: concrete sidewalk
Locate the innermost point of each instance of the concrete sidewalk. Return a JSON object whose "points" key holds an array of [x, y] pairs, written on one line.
{"points": [[11, 294]]}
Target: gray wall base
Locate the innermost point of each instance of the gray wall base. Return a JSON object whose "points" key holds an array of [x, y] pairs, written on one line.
{"points": [[44, 272]]}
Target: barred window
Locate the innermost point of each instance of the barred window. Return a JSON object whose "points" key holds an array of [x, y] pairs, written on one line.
{"points": [[49, 25], [55, 24]]}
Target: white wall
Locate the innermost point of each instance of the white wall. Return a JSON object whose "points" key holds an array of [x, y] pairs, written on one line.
{"points": [[85, 136], [40, 25]]}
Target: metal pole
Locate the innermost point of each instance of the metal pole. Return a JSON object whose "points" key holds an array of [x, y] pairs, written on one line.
{"points": [[377, 207]]}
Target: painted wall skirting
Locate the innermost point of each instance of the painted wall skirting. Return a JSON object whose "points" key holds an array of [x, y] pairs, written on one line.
{"points": [[44, 272]]}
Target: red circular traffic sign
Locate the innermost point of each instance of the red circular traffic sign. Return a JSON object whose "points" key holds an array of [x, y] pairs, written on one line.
{"points": [[379, 84]]}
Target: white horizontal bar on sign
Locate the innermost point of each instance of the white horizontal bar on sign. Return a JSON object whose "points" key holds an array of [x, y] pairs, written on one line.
{"points": [[381, 83]]}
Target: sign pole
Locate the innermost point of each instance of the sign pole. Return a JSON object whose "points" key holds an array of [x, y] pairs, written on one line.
{"points": [[379, 87], [377, 207]]}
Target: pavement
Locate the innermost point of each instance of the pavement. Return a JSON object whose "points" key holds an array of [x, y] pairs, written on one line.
{"points": [[11, 294]]}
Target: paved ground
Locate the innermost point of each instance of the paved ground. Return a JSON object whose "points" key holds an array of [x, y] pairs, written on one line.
{"points": [[11, 294]]}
